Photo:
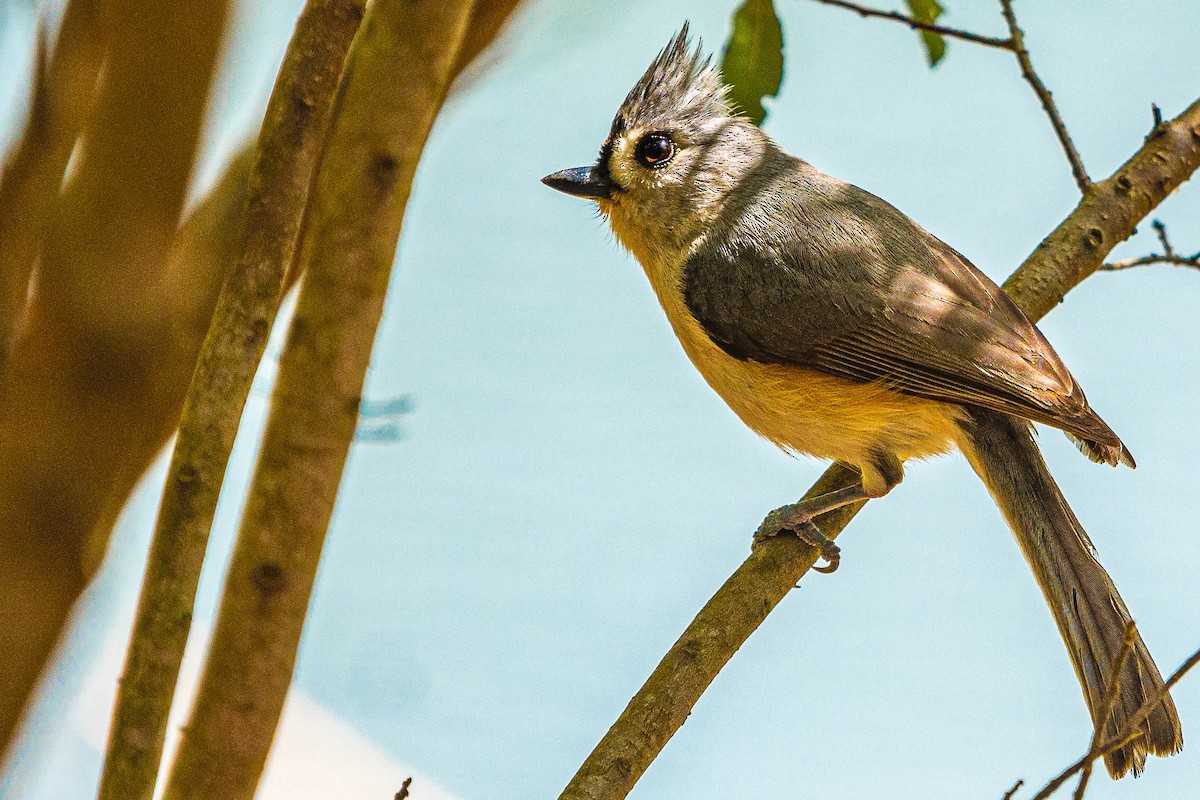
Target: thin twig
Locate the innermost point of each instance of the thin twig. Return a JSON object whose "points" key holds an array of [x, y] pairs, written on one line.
{"points": [[1015, 44], [1120, 739], [1011, 792], [1191, 262], [1168, 256], [1111, 691], [1064, 776], [916, 24], [1073, 251], [1160, 229], [403, 793], [1060, 129], [1148, 707]]}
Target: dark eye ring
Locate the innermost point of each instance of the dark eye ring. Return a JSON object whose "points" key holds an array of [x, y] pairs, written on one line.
{"points": [[655, 150]]}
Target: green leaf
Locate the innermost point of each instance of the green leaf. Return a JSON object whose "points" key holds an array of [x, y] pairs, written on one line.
{"points": [[928, 11], [753, 62]]}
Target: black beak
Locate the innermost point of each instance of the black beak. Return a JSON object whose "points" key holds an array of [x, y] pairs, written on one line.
{"points": [[587, 182]]}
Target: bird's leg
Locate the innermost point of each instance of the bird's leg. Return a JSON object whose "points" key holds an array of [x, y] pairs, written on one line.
{"points": [[797, 518], [880, 474]]}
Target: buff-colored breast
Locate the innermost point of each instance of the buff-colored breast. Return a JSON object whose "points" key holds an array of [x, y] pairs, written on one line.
{"points": [[802, 410]]}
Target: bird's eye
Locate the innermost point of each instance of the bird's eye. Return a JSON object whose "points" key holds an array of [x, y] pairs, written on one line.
{"points": [[655, 150]]}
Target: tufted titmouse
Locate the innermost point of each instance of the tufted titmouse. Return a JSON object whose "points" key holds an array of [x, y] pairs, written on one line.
{"points": [[834, 325]]}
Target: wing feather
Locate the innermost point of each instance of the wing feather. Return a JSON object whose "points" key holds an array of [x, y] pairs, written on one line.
{"points": [[837, 280]]}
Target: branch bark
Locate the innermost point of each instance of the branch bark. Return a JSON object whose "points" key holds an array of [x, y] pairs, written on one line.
{"points": [[1104, 217], [397, 77], [76, 390], [290, 144]]}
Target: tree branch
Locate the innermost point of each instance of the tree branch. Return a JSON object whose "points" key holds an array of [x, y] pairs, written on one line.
{"points": [[1074, 250], [1108, 215], [290, 144], [1043, 94], [1106, 705], [1192, 262], [1015, 44], [918, 25], [1169, 256], [397, 77], [62, 94], [1128, 733], [77, 382]]}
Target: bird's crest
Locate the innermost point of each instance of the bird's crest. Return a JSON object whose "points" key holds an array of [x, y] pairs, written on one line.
{"points": [[681, 85]]}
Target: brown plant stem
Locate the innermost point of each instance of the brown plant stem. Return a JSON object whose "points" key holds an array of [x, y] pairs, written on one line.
{"points": [[1121, 738], [1104, 217], [1113, 744], [1044, 97], [62, 94], [1169, 256], [290, 144], [1113, 690], [1015, 44], [1107, 215], [1189, 262], [918, 25], [397, 77], [76, 387]]}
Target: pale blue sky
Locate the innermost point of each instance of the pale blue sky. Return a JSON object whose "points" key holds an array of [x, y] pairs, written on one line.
{"points": [[568, 492]]}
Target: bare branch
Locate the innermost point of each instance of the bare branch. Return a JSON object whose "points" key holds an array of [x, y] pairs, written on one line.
{"points": [[397, 76], [1111, 692], [1169, 256], [1160, 229], [290, 143], [1043, 94], [1192, 262], [1108, 215], [1070, 772], [1013, 791], [1129, 731], [403, 793], [918, 25], [1015, 44], [63, 87], [1074, 250], [78, 381]]}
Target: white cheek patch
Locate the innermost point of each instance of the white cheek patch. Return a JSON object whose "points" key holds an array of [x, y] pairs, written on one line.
{"points": [[624, 169], [620, 163]]}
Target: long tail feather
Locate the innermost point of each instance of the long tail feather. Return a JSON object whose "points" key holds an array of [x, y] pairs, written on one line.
{"points": [[1087, 608]]}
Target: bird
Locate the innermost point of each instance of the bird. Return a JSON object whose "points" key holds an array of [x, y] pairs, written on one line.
{"points": [[833, 325]]}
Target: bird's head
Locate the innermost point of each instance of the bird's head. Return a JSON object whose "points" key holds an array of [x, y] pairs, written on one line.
{"points": [[673, 155]]}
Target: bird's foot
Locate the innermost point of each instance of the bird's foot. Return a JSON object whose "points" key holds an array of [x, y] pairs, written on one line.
{"points": [[798, 522]]}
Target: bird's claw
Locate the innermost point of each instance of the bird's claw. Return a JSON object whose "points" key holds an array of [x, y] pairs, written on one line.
{"points": [[811, 534], [783, 520]]}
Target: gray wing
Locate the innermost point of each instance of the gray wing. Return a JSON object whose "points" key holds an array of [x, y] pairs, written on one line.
{"points": [[832, 278]]}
